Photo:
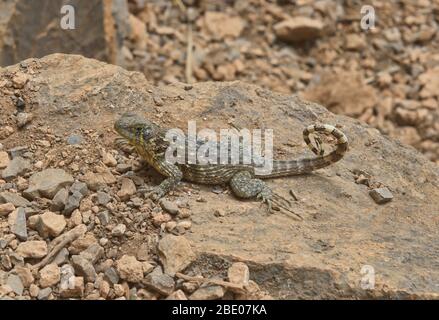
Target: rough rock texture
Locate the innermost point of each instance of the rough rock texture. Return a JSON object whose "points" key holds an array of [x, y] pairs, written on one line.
{"points": [[175, 253], [343, 230], [32, 29], [298, 29], [47, 183], [32, 249]]}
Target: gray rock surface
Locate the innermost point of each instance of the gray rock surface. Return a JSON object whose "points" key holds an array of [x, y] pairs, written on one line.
{"points": [[99, 37], [47, 183]]}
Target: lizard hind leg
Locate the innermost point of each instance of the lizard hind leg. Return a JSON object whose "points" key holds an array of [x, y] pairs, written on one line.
{"points": [[245, 186]]}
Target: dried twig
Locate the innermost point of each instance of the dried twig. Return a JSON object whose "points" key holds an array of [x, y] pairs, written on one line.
{"points": [[59, 243], [189, 54]]}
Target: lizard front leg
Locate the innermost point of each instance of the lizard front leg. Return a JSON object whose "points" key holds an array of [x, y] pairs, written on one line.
{"points": [[173, 177], [245, 186]]}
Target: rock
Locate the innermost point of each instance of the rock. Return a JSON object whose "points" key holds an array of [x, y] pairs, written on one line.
{"points": [[158, 219], [111, 275], [175, 253], [73, 288], [127, 189], [104, 289], [119, 290], [18, 151], [25, 275], [5, 261], [74, 139], [4, 291], [159, 282], [17, 223], [123, 167], [47, 183], [84, 268], [3, 277], [143, 252], [34, 290], [298, 29], [253, 292], [147, 267], [6, 209], [73, 202], [381, 195], [44, 294], [171, 225], [190, 287], [62, 257], [16, 167], [50, 275], [104, 217], [118, 230], [15, 199], [130, 269], [169, 206], [14, 282], [430, 82], [185, 224], [51, 224], [343, 92], [32, 249], [75, 218], [98, 180], [16, 259], [60, 200], [177, 295], [355, 41], [19, 80], [4, 159], [239, 273], [82, 243], [80, 187], [108, 159], [3, 243], [103, 198], [93, 253], [23, 118], [221, 25], [209, 292], [138, 31], [137, 202]]}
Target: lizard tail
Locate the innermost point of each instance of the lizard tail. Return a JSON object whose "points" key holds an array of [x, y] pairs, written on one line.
{"points": [[301, 166]]}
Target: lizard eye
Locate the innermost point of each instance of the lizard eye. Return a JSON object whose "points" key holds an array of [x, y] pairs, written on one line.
{"points": [[146, 133]]}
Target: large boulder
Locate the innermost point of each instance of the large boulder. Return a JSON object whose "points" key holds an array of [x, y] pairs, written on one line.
{"points": [[347, 246], [33, 29]]}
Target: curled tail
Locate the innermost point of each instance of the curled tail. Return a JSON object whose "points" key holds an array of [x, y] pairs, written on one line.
{"points": [[301, 166]]}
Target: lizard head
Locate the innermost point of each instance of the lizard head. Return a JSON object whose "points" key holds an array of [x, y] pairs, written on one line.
{"points": [[134, 128]]}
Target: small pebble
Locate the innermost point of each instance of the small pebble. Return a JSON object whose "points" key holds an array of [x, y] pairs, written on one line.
{"points": [[381, 195]]}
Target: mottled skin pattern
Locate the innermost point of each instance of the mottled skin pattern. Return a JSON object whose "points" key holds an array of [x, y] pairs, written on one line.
{"points": [[149, 141]]}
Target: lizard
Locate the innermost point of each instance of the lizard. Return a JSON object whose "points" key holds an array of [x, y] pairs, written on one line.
{"points": [[150, 142]]}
